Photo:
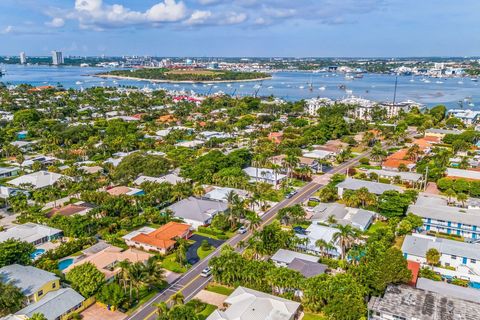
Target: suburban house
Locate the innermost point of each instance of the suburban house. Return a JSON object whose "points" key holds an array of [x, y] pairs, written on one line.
{"points": [[58, 304], [437, 216], [246, 303], [373, 187], [197, 212], [107, 258], [264, 175], [7, 172], [397, 159], [33, 282], [306, 264], [123, 190], [39, 179], [275, 137], [463, 256], [78, 208], [407, 303], [172, 178], [33, 233], [412, 178], [7, 192], [161, 240], [357, 218], [302, 162], [319, 154], [448, 289], [318, 232], [221, 193], [440, 133]]}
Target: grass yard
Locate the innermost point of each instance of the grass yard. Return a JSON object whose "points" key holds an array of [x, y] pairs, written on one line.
{"points": [[145, 295], [399, 242], [313, 316], [375, 226], [169, 263], [202, 254], [217, 288], [209, 308]]}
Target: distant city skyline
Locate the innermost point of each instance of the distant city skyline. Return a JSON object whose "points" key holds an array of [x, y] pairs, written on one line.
{"points": [[236, 28]]}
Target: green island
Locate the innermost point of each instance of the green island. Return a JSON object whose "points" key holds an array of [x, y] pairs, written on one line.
{"points": [[185, 75]]}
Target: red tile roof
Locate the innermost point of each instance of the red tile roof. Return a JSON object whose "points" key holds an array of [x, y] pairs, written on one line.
{"points": [[415, 268], [164, 236]]}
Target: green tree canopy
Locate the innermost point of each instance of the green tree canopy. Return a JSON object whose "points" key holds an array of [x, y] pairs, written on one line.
{"points": [[86, 279]]}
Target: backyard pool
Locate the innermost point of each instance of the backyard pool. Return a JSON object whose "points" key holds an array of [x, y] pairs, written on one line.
{"points": [[64, 264], [37, 253]]}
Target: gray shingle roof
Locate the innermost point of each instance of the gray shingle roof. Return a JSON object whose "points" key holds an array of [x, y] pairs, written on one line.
{"points": [[307, 268], [373, 187], [197, 209], [28, 279], [54, 304], [419, 246], [448, 289], [287, 256]]}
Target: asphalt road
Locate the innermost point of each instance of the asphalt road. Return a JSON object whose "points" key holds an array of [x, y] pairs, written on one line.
{"points": [[190, 283]]}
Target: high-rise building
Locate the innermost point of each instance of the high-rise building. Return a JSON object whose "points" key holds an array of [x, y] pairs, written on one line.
{"points": [[23, 58], [57, 58]]}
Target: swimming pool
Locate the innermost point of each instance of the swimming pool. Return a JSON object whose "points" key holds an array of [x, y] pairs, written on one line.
{"points": [[64, 264], [37, 253]]}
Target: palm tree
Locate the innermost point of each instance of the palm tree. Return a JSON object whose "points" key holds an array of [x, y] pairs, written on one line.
{"points": [[181, 251], [462, 197], [178, 298], [254, 221], [344, 237], [162, 308], [198, 190], [450, 194], [331, 220]]}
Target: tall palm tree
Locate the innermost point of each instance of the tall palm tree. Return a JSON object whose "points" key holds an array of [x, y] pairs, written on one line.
{"points": [[344, 237], [254, 221]]}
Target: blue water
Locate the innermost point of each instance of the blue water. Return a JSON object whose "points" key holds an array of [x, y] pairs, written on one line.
{"points": [[64, 264], [37, 253], [287, 85], [474, 285]]}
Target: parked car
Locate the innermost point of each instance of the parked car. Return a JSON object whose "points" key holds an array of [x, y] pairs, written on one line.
{"points": [[242, 230], [206, 272], [291, 194]]}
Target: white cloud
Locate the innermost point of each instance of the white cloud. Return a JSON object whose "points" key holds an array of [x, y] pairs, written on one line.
{"points": [[56, 23], [167, 11], [199, 17], [234, 18], [7, 30]]}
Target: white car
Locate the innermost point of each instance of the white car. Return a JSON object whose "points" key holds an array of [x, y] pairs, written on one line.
{"points": [[242, 230], [206, 272]]}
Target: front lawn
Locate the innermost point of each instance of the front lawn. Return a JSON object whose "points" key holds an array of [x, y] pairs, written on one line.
{"points": [[202, 254], [169, 263], [209, 308], [217, 288], [375, 226]]}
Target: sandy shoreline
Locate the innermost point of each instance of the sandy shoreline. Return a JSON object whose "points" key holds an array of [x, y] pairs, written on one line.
{"points": [[107, 76]]}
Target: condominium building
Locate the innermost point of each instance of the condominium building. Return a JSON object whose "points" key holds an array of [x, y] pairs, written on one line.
{"points": [[23, 58], [437, 216], [57, 58]]}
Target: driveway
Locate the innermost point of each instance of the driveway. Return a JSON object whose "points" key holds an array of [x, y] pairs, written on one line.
{"points": [[96, 312], [192, 256]]}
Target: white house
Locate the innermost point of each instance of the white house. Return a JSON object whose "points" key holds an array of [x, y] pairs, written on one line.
{"points": [[39, 179], [318, 232], [197, 212], [33, 233], [463, 256], [264, 175], [373, 187]]}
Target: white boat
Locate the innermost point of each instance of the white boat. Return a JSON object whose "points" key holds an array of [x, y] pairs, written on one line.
{"points": [[349, 77], [474, 79], [439, 82], [176, 85], [78, 83], [322, 88], [229, 85], [411, 80], [301, 87], [471, 104], [348, 91], [460, 82], [427, 81], [270, 87], [242, 85]]}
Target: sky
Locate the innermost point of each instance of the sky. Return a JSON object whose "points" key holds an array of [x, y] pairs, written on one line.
{"points": [[241, 28]]}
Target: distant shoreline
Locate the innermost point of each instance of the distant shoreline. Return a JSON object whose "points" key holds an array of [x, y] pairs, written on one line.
{"points": [[109, 76]]}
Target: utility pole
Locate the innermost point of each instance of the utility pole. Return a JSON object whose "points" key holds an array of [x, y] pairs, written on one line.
{"points": [[426, 179]]}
